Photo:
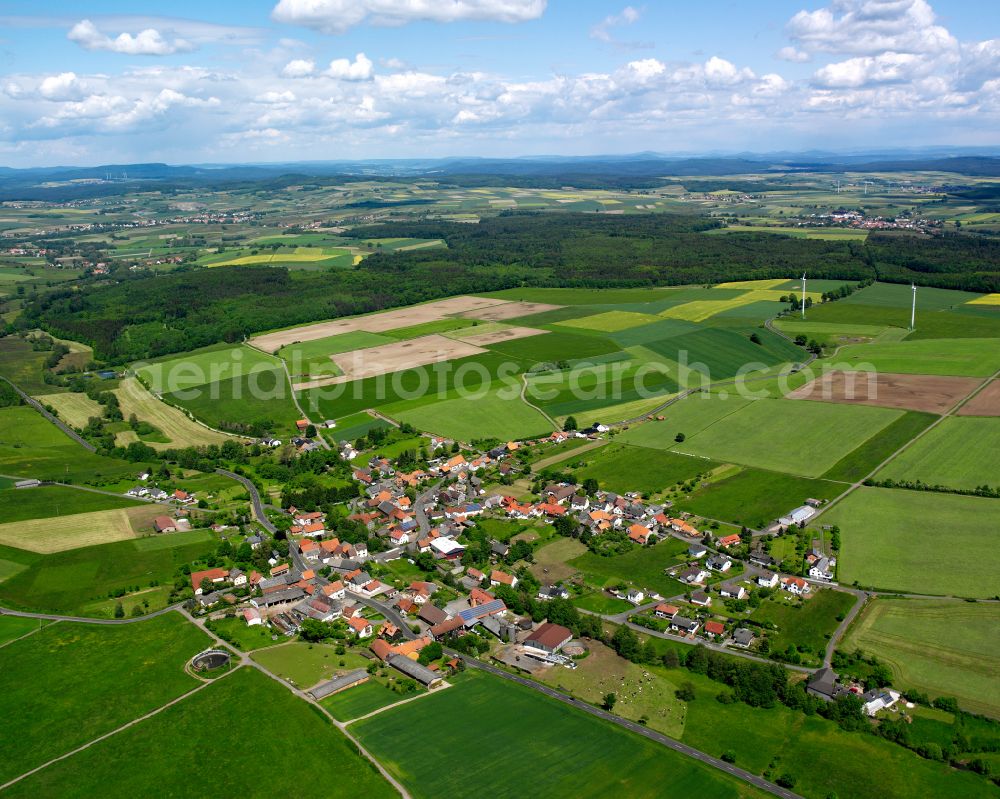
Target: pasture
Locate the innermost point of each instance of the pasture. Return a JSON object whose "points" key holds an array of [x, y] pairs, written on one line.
{"points": [[165, 755], [43, 502], [858, 464], [568, 752], [173, 424], [12, 627], [788, 436], [642, 567], [918, 541], [961, 452], [107, 676], [262, 397], [360, 700], [804, 624], [202, 366], [942, 648], [621, 468], [74, 409], [304, 665]]}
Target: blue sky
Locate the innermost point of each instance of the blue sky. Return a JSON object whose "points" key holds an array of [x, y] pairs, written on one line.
{"points": [[95, 82]]}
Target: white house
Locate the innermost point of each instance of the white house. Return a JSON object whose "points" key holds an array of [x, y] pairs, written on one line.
{"points": [[795, 585], [635, 596], [821, 570], [767, 579]]}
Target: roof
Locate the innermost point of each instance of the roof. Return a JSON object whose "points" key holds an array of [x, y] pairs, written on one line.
{"points": [[550, 636], [207, 574], [715, 627], [411, 668], [339, 683], [432, 614], [481, 611], [501, 577]]}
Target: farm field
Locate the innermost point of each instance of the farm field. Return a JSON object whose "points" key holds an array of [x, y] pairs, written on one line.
{"points": [[304, 665], [805, 625], [862, 461], [74, 409], [142, 665], [755, 498], [828, 234], [611, 321], [961, 452], [173, 424], [235, 631], [753, 435], [202, 366], [21, 504], [166, 754], [933, 394], [966, 357], [985, 403], [261, 398], [72, 581], [471, 418], [942, 648], [622, 467], [925, 542], [581, 755], [689, 416], [312, 358], [31, 446], [76, 530], [12, 627], [360, 700]]}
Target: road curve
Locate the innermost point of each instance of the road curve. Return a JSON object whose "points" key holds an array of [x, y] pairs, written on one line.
{"points": [[52, 418], [632, 726], [258, 506]]}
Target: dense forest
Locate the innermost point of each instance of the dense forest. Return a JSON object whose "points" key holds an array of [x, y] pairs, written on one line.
{"points": [[149, 316]]}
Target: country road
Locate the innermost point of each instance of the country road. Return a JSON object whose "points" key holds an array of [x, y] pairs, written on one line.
{"points": [[54, 419], [86, 620], [258, 506]]}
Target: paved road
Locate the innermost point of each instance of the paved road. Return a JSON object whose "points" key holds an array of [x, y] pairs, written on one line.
{"points": [[85, 620], [302, 413], [54, 419], [423, 523], [258, 506], [639, 729]]}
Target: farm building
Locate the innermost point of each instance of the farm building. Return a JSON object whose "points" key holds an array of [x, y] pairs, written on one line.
{"points": [[549, 637], [411, 668], [338, 684]]}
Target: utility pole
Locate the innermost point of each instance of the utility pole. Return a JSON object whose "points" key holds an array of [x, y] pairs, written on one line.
{"points": [[913, 308]]}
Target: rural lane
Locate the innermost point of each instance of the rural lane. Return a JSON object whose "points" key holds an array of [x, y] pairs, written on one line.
{"points": [[632, 726], [86, 620], [258, 506]]}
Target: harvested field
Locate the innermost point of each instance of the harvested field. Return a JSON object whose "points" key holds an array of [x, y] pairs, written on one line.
{"points": [[60, 533], [510, 310], [74, 409], [388, 358], [506, 334], [380, 322], [934, 394], [173, 423], [985, 403]]}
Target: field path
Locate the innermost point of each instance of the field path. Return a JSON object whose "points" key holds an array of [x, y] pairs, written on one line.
{"points": [[524, 399], [562, 456], [55, 420], [397, 704], [302, 414]]}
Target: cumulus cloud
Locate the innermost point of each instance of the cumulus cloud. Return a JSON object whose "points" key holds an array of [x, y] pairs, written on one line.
{"points": [[792, 54], [345, 69], [602, 30], [337, 16], [867, 70], [870, 27], [298, 68], [725, 73], [64, 86], [146, 42]]}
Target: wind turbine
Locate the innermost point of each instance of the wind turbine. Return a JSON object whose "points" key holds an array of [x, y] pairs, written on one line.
{"points": [[803, 295], [913, 308]]}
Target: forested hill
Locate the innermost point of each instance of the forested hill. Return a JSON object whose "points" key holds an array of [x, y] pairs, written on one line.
{"points": [[148, 316]]}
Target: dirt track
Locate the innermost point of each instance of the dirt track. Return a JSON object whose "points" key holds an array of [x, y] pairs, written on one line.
{"points": [[931, 393]]}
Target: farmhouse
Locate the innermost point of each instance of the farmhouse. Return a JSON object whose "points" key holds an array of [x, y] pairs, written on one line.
{"points": [[416, 671], [164, 524], [498, 577], [715, 629], [212, 575], [795, 585]]}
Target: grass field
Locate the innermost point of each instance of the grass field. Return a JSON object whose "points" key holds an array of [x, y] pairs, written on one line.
{"points": [[468, 418], [73, 581], [74, 409], [689, 416], [754, 497], [12, 627], [166, 755], [961, 452], [970, 357], [304, 665], [556, 296], [918, 541], [31, 446], [235, 631], [176, 427], [862, 461], [938, 647], [360, 700], [261, 397], [555, 346], [312, 358], [787, 436], [804, 624], [73, 531], [600, 602], [642, 567], [621, 468], [567, 754], [60, 682], [202, 366], [41, 502], [899, 295], [611, 321]]}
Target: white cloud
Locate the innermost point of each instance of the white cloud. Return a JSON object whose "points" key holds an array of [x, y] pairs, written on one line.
{"points": [[298, 68], [792, 54], [64, 86], [276, 98], [602, 30], [724, 73], [646, 68], [866, 70], [344, 69], [870, 27], [337, 16], [146, 42]]}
